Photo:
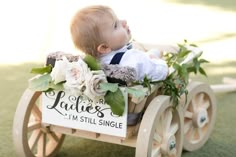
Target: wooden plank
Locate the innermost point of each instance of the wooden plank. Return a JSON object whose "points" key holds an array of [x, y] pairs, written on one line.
{"points": [[131, 142], [61, 129], [139, 107], [150, 97], [131, 131], [229, 80], [131, 106], [228, 86], [86, 134], [222, 88]]}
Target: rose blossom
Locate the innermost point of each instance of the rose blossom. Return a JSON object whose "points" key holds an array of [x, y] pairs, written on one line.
{"points": [[58, 72], [75, 77], [93, 79]]}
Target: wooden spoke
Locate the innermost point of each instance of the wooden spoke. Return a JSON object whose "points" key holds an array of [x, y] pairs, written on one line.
{"points": [[32, 118], [156, 151], [34, 126], [174, 128], [174, 152], [41, 150], [187, 126], [53, 136], [200, 99], [188, 114], [200, 133], [167, 120], [159, 128], [194, 105], [207, 119], [162, 121], [36, 113], [206, 104], [34, 139], [192, 133], [157, 137]]}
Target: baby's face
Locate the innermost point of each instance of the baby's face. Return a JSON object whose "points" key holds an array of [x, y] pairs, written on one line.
{"points": [[116, 32]]}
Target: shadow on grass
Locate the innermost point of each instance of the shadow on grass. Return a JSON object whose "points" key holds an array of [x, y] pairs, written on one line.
{"points": [[89, 148], [222, 4], [221, 143]]}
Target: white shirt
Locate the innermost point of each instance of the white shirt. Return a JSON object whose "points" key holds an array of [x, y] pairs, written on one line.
{"points": [[154, 69]]}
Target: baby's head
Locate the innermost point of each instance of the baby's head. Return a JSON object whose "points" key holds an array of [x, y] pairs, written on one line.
{"points": [[96, 30]]}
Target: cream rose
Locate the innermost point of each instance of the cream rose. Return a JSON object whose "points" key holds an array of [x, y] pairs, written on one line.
{"points": [[58, 72], [93, 79], [75, 77]]}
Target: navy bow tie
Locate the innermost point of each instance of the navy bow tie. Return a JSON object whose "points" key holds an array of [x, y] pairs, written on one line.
{"points": [[129, 46]]}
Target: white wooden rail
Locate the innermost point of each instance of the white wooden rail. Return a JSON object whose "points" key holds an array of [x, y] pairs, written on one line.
{"points": [[228, 86]]}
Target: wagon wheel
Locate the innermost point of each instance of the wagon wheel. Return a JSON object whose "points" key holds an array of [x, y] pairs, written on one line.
{"points": [[30, 137], [161, 130], [199, 115]]}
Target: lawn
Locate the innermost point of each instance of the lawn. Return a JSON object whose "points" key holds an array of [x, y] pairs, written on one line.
{"points": [[222, 142], [225, 5]]}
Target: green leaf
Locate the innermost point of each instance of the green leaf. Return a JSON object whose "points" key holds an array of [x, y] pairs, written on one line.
{"points": [[106, 86], [203, 61], [191, 69], [175, 84], [40, 83], [196, 64], [177, 67], [116, 101], [202, 71], [46, 69], [136, 92], [58, 86], [147, 82], [183, 53], [193, 45], [92, 62]]}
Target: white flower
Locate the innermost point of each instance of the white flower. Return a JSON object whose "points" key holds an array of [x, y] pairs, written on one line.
{"points": [[75, 77], [195, 52], [93, 80], [58, 72]]}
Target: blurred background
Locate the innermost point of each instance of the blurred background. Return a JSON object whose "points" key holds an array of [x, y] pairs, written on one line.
{"points": [[30, 29]]}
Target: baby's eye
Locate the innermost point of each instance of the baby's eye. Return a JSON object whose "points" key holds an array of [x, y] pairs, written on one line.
{"points": [[115, 25]]}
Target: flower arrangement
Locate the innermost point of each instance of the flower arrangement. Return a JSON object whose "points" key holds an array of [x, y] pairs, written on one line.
{"points": [[85, 76], [82, 76]]}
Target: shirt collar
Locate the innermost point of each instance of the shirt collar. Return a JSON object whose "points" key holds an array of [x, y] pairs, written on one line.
{"points": [[123, 49]]}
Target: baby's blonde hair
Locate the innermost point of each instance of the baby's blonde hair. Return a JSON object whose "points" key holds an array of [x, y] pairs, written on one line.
{"points": [[85, 28]]}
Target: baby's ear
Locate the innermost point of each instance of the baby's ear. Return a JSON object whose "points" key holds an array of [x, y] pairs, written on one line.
{"points": [[103, 49]]}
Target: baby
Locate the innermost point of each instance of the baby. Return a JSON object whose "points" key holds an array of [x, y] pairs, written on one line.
{"points": [[97, 31]]}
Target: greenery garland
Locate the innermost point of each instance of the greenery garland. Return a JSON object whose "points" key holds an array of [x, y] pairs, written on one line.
{"points": [[174, 85]]}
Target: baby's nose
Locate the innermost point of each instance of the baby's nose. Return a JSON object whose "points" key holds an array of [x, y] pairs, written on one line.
{"points": [[124, 23]]}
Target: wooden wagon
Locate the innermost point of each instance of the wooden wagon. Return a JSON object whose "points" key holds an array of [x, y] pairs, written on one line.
{"points": [[162, 131]]}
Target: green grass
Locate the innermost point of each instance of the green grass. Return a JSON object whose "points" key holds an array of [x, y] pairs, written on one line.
{"points": [[222, 142], [222, 4]]}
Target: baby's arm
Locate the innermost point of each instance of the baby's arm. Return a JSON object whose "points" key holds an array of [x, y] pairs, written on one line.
{"points": [[156, 69]]}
